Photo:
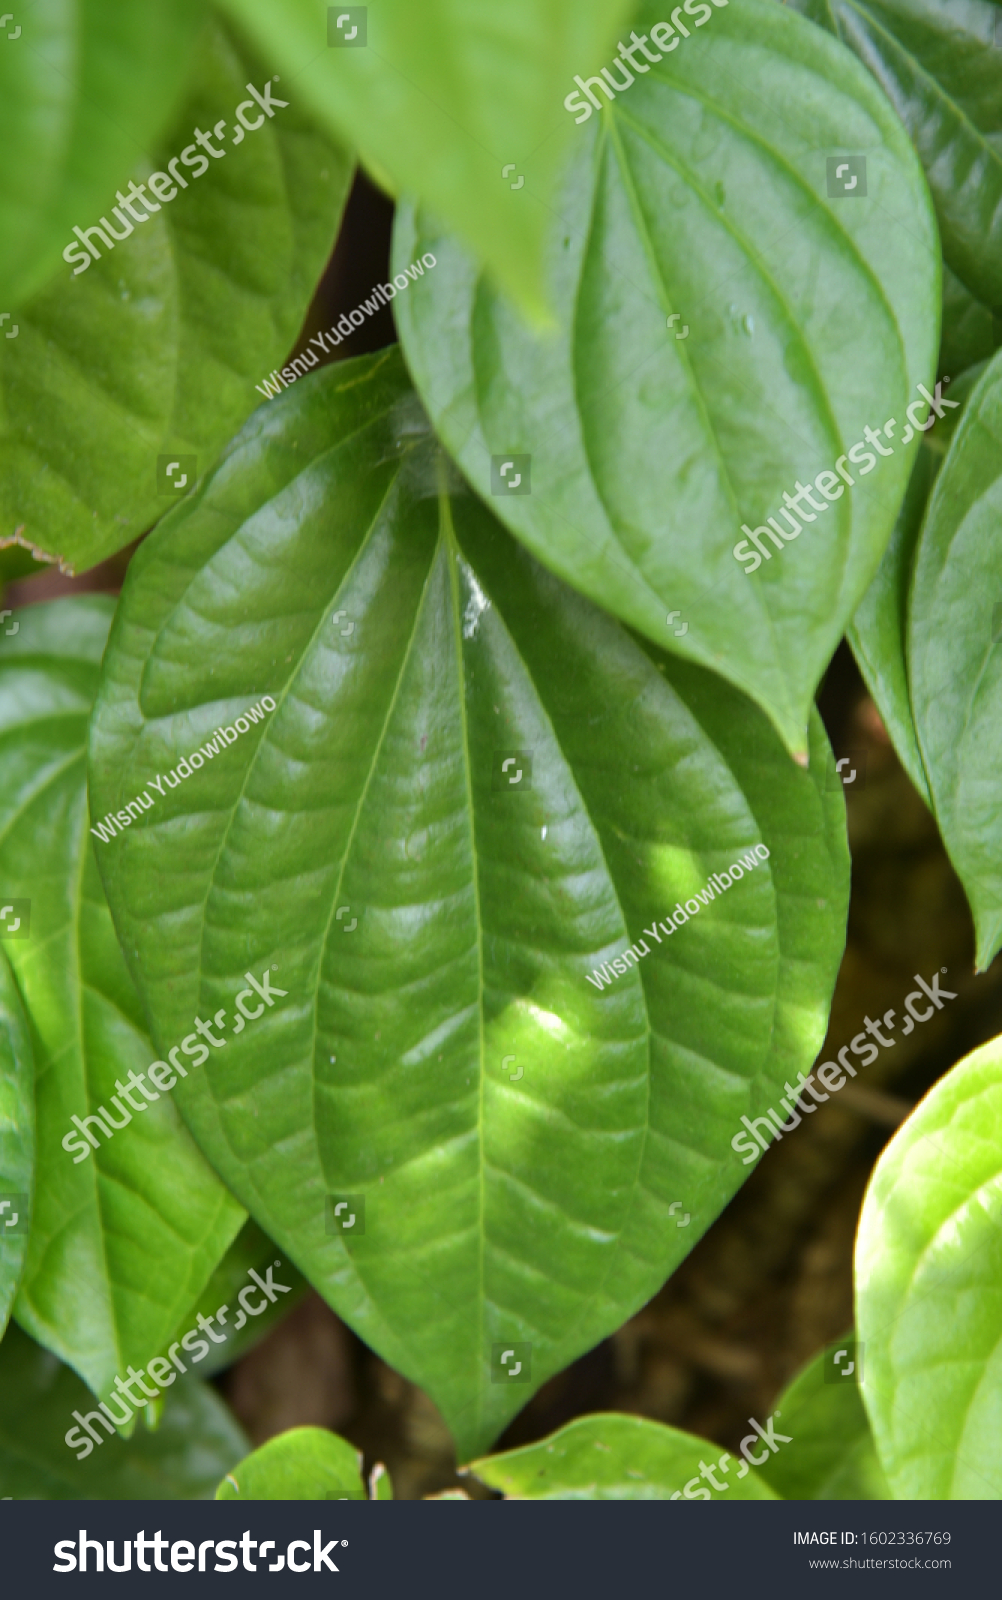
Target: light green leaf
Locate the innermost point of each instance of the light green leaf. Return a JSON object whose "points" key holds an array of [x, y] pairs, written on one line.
{"points": [[831, 1455], [153, 353], [122, 1241], [929, 1290], [250, 1248], [84, 85], [954, 654], [613, 1457], [938, 63], [196, 1441], [17, 1133], [700, 196], [458, 103], [303, 1464], [519, 1139]]}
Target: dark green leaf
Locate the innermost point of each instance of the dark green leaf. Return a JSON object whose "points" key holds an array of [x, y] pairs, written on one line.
{"points": [[303, 1464], [972, 332], [929, 1290], [938, 63], [124, 1239], [153, 353], [462, 105], [612, 1457], [17, 1130], [954, 654], [196, 1441], [701, 194], [250, 1248], [83, 85], [831, 1455], [518, 1141]]}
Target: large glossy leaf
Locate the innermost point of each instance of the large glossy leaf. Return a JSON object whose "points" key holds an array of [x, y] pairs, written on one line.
{"points": [[123, 1241], [938, 63], [954, 655], [613, 1457], [832, 1455], [83, 85], [929, 1291], [700, 196], [17, 1135], [196, 1441], [303, 1464], [525, 1138], [457, 101], [152, 353]]}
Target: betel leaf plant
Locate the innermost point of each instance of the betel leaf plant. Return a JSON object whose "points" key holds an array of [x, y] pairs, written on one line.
{"points": [[440, 819]]}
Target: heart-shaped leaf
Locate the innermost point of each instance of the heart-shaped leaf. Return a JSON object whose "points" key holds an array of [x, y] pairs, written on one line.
{"points": [[938, 64], [195, 1442], [458, 794], [613, 1457], [461, 105], [302, 1464], [796, 317], [149, 356], [954, 654], [832, 1455], [83, 85], [929, 1290], [17, 1126], [123, 1236]]}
